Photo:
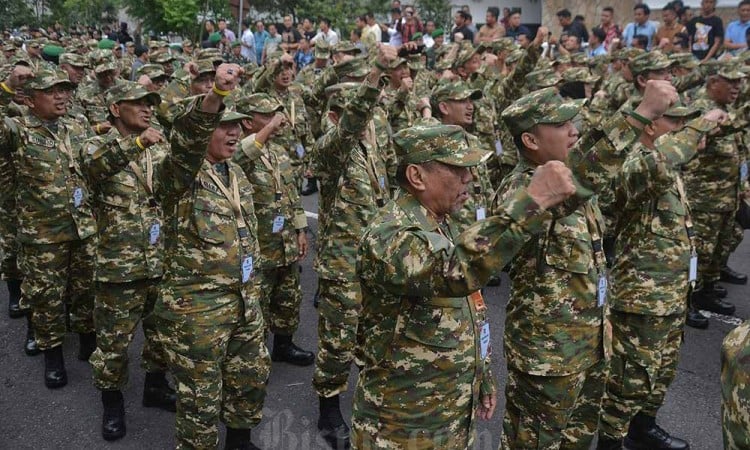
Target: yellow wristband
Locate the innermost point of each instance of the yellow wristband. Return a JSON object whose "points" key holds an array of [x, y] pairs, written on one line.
{"points": [[139, 143], [7, 88], [220, 92], [96, 129], [258, 145]]}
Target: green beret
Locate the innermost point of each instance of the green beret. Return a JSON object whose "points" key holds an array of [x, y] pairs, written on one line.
{"points": [[437, 33], [214, 37], [415, 36], [437, 142], [53, 50], [542, 107], [236, 43], [107, 44]]}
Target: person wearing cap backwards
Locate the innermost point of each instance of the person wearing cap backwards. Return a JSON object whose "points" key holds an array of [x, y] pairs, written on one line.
{"points": [[716, 180], [209, 316], [92, 95], [352, 165], [555, 340], [651, 277], [424, 336], [55, 223], [119, 167], [282, 225]]}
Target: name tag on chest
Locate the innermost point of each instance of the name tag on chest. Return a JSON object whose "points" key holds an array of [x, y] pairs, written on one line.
{"points": [[42, 141]]}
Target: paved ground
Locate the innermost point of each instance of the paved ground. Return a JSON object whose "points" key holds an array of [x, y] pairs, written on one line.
{"points": [[33, 417]]}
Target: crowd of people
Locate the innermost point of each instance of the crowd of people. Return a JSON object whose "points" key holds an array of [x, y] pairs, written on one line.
{"points": [[604, 170]]}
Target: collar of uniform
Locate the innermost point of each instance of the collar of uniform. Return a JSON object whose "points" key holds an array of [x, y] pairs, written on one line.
{"points": [[416, 212]]}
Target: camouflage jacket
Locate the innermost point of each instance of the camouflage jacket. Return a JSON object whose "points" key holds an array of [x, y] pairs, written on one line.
{"points": [[650, 274], [93, 99], [208, 253], [401, 107], [712, 177], [263, 166], [42, 173], [554, 319], [480, 193], [354, 186], [420, 326], [129, 219], [735, 388]]}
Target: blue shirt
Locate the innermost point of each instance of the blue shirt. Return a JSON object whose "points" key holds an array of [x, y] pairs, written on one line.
{"points": [[260, 41], [633, 29], [597, 51], [302, 59], [736, 33]]}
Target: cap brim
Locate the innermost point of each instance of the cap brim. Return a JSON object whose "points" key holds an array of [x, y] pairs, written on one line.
{"points": [[564, 112], [233, 116], [467, 158], [683, 111], [67, 83]]}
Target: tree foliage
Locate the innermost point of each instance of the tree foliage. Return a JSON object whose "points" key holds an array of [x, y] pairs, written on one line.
{"points": [[180, 16], [14, 13], [438, 11]]}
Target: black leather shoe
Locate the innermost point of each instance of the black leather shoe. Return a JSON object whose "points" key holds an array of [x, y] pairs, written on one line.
{"points": [[157, 393], [284, 350], [113, 419], [717, 289], [311, 188], [239, 439], [709, 302], [87, 345], [14, 299], [728, 275], [331, 424], [55, 375], [645, 434], [605, 443], [30, 347], [695, 319]]}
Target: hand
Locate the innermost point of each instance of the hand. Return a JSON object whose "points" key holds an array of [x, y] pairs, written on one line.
{"points": [[18, 76], [103, 127], [701, 144], [387, 54], [192, 69], [658, 97], [551, 184], [487, 406], [278, 121], [302, 245], [716, 115], [406, 84], [287, 58], [449, 75], [489, 58], [146, 82], [150, 136], [541, 34], [228, 76]]}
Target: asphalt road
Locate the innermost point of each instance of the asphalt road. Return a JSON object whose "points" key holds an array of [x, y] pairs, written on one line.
{"points": [[33, 417]]}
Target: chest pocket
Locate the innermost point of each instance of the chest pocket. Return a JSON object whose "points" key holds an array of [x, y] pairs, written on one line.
{"points": [[439, 322], [354, 185], [212, 214], [120, 190], [39, 159], [668, 218], [569, 245]]}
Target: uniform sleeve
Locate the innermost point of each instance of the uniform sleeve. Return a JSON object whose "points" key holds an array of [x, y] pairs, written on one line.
{"points": [[103, 158]]}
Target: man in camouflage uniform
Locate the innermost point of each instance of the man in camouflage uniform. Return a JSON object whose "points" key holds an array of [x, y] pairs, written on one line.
{"points": [[209, 315], [715, 180], [56, 226], [351, 162], [93, 94], [555, 341], [425, 338], [200, 79], [75, 66], [650, 279], [282, 225], [735, 388], [120, 168]]}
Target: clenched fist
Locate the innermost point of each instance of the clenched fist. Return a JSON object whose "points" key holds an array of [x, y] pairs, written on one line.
{"points": [[551, 184]]}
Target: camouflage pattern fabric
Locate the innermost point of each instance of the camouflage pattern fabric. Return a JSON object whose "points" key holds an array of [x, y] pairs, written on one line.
{"points": [[735, 388]]}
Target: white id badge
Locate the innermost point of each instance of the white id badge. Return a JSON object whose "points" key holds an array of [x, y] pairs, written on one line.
{"points": [[481, 213], [601, 291], [153, 234], [381, 182], [300, 150], [484, 340], [743, 171], [693, 274], [247, 268], [77, 197], [278, 224], [498, 147]]}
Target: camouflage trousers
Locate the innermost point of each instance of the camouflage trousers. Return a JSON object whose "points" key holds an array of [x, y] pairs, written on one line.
{"points": [[340, 303], [9, 263], [282, 295], [735, 388], [728, 246], [551, 412], [712, 230], [56, 273], [118, 307], [220, 364], [646, 350]]}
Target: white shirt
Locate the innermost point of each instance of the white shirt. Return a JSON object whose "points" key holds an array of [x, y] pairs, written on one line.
{"points": [[248, 45], [375, 29], [428, 41], [331, 37], [229, 34]]}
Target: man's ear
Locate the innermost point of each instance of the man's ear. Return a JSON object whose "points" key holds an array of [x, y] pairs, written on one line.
{"points": [[415, 177], [530, 141]]}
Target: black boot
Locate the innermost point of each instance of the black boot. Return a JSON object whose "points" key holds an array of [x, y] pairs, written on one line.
{"points": [[14, 299], [30, 346], [703, 299], [718, 290], [285, 350], [607, 443], [729, 275], [331, 423], [86, 345], [239, 439], [113, 419], [157, 393], [55, 375], [695, 319], [645, 434], [312, 187]]}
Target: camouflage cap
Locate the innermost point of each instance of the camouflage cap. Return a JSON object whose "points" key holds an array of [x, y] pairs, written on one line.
{"points": [[542, 107], [710, 67], [465, 52], [152, 71], [579, 58], [260, 103], [322, 50], [22, 59], [339, 94], [130, 44], [106, 44], [649, 61], [685, 60], [187, 43], [454, 91], [543, 78], [514, 56], [9, 48], [581, 74], [74, 59], [232, 116], [346, 47], [46, 78], [415, 61], [730, 70], [161, 57], [436, 142], [627, 53], [209, 54], [393, 64], [205, 66], [562, 59], [130, 91], [355, 68], [34, 43], [504, 44]]}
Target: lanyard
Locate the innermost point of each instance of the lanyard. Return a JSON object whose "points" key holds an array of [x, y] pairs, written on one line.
{"points": [[371, 166], [596, 240], [688, 218], [148, 180], [275, 173], [234, 199]]}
